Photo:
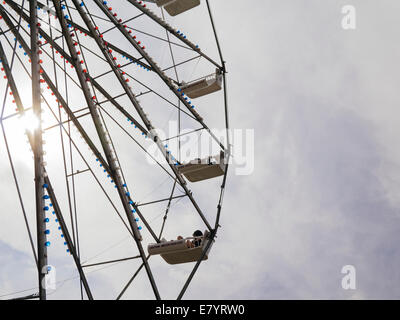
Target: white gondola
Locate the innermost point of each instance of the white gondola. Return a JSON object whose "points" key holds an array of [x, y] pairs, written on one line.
{"points": [[175, 7], [204, 86], [203, 169], [177, 251]]}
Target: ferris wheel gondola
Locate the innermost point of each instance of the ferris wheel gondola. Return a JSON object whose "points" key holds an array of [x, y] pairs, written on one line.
{"points": [[176, 7]]}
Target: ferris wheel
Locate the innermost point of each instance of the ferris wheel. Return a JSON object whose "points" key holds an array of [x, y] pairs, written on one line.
{"points": [[115, 99]]}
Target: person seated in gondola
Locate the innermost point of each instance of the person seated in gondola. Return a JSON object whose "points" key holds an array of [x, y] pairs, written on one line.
{"points": [[197, 242], [188, 242]]}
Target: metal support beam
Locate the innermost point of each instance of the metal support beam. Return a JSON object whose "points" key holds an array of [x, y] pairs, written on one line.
{"points": [[171, 30], [67, 236], [131, 279], [38, 152], [110, 261]]}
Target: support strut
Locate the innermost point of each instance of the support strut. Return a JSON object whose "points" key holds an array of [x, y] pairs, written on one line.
{"points": [[38, 153]]}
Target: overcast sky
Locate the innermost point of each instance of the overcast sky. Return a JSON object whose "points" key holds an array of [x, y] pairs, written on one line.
{"points": [[325, 188]]}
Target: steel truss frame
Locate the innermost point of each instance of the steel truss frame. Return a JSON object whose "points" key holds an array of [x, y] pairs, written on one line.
{"points": [[87, 84]]}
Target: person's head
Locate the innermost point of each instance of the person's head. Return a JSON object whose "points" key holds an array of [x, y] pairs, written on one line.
{"points": [[197, 233], [180, 238]]}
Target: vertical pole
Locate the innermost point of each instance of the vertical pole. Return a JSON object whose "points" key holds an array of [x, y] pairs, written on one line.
{"points": [[38, 152]]}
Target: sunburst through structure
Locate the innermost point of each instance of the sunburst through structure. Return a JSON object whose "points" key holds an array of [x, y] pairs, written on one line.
{"points": [[126, 117]]}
